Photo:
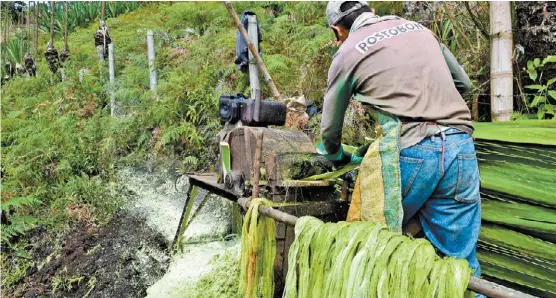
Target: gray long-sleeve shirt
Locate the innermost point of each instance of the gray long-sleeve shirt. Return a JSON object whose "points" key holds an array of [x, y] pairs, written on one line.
{"points": [[397, 66]]}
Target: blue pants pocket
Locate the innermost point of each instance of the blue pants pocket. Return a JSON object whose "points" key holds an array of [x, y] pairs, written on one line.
{"points": [[409, 168], [467, 188]]}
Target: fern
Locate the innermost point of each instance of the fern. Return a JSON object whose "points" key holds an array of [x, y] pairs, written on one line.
{"points": [[18, 225]]}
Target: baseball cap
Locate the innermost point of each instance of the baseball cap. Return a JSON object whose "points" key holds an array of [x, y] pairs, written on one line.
{"points": [[334, 14]]}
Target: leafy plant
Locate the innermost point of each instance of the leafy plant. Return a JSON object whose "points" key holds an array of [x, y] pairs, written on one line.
{"points": [[545, 98]]}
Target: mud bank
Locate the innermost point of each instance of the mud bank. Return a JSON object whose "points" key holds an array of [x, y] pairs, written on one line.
{"points": [[131, 256], [119, 260]]}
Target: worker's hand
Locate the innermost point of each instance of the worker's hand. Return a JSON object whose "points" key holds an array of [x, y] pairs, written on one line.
{"points": [[339, 158], [356, 158], [359, 153]]}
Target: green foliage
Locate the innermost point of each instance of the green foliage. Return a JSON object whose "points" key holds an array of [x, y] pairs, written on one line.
{"points": [[80, 14], [15, 49], [544, 100]]}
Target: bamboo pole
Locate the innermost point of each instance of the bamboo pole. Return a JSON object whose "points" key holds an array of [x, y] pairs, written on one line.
{"points": [[253, 50], [501, 73], [477, 285]]}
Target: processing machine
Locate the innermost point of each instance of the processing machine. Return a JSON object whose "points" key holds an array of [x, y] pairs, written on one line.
{"points": [[257, 158]]}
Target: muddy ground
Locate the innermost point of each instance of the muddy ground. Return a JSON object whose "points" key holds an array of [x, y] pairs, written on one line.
{"points": [[119, 260], [133, 251]]}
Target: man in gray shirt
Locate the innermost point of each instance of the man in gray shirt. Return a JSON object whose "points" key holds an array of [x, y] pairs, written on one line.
{"points": [[398, 67]]}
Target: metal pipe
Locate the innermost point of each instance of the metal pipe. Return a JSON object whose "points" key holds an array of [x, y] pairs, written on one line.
{"points": [[251, 47], [253, 32], [481, 286], [494, 290]]}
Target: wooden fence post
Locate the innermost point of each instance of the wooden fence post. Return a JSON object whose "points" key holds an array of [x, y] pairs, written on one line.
{"points": [[501, 72], [151, 55]]}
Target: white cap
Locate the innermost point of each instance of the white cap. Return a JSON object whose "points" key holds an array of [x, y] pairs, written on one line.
{"points": [[334, 14]]}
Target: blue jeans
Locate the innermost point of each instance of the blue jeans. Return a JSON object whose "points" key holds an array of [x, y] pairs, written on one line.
{"points": [[444, 193]]}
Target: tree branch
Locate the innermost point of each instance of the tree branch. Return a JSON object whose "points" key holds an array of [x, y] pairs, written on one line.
{"points": [[478, 24]]}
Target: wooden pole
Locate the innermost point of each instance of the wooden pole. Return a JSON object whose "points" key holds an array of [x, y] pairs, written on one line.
{"points": [[475, 108], [501, 72], [111, 73], [477, 285], [151, 56], [36, 33], [66, 29], [28, 26], [253, 50], [52, 23], [257, 166], [103, 10], [7, 33]]}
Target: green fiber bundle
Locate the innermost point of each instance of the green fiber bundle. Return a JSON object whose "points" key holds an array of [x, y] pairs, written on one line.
{"points": [[517, 162], [363, 259], [258, 249]]}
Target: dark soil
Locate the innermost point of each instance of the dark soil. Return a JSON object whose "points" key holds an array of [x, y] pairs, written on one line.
{"points": [[120, 259]]}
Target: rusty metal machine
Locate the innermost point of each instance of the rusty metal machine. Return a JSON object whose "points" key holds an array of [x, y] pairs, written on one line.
{"points": [[262, 161]]}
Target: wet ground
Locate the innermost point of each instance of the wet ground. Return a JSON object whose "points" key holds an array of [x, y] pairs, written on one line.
{"points": [[131, 256]]}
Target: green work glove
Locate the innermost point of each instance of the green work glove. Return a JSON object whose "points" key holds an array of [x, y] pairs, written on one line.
{"points": [[339, 158], [356, 159], [359, 153]]}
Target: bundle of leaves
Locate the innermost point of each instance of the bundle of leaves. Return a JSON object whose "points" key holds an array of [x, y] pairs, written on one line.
{"points": [[518, 188], [363, 259], [258, 250]]}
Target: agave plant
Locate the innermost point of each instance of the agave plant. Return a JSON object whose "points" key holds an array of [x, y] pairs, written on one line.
{"points": [[81, 14], [15, 48]]}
